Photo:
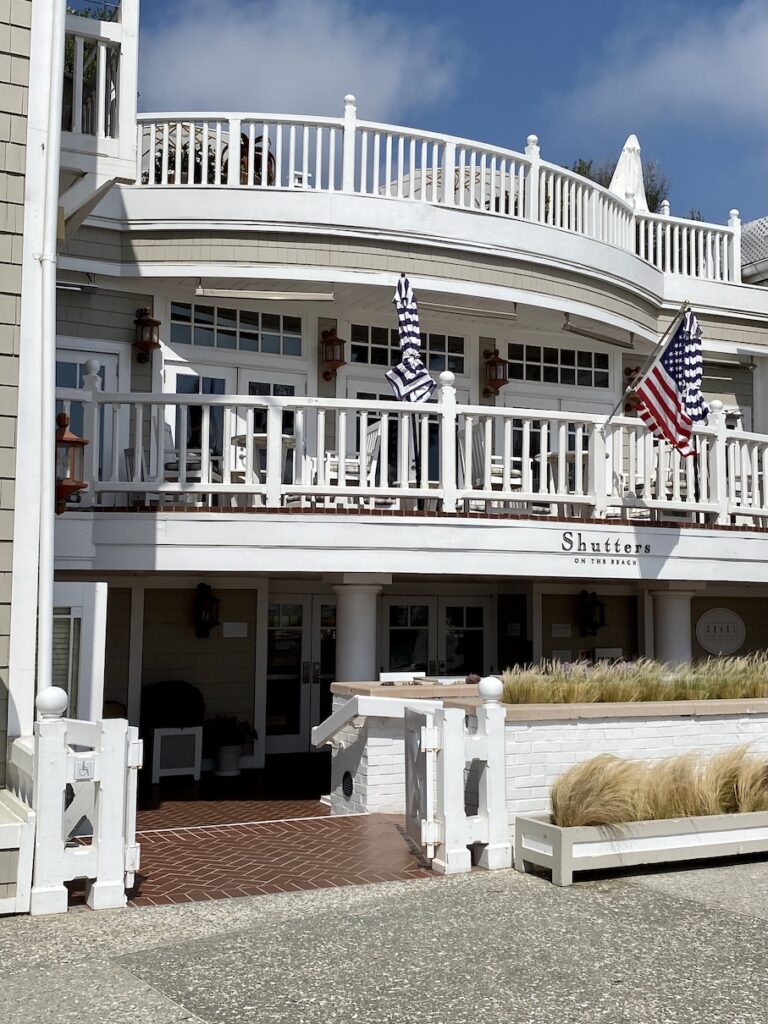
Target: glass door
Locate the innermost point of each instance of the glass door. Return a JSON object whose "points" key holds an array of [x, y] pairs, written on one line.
{"points": [[266, 383], [301, 665], [288, 675], [409, 642], [464, 632]]}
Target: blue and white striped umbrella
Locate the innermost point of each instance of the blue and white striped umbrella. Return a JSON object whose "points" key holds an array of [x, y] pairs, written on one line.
{"points": [[410, 379]]}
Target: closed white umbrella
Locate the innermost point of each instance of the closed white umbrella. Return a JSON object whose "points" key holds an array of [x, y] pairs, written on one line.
{"points": [[627, 180]]}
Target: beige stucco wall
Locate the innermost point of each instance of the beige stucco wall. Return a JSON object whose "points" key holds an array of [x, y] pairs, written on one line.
{"points": [[222, 667], [754, 612], [15, 18], [620, 628]]}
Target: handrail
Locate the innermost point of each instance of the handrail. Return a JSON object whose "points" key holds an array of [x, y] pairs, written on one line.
{"points": [[360, 706]]}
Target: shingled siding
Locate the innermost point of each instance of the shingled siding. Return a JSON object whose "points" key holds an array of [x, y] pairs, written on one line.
{"points": [[15, 18]]}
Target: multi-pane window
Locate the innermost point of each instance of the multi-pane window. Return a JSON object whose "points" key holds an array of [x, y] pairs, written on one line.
{"points": [[408, 637], [380, 346], [245, 330], [558, 365]]}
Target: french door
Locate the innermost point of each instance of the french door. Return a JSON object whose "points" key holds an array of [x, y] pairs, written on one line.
{"points": [[439, 636], [301, 665]]}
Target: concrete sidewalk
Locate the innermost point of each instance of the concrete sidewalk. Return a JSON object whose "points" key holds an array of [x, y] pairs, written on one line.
{"points": [[661, 948]]}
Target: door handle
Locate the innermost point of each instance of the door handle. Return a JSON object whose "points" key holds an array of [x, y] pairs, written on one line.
{"points": [[316, 673], [305, 673]]}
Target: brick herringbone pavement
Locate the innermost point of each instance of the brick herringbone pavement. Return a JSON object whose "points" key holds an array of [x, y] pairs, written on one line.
{"points": [[175, 813], [184, 865]]}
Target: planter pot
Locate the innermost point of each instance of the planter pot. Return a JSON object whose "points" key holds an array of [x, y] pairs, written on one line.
{"points": [[228, 760], [586, 848]]}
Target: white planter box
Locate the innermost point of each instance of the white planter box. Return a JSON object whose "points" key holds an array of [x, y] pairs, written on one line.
{"points": [[586, 848]]}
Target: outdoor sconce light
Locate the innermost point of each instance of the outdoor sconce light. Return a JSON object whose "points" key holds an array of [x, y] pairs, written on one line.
{"points": [[496, 372], [206, 611], [70, 457], [332, 353], [147, 335], [590, 613]]}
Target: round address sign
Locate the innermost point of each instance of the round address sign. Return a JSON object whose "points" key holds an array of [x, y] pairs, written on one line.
{"points": [[720, 631]]}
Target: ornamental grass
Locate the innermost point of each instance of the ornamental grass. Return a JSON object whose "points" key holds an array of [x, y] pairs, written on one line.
{"points": [[555, 682], [608, 790]]}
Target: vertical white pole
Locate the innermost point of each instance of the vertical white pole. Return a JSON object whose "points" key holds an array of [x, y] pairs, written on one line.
{"points": [[533, 153], [448, 440], [350, 136], [49, 894], [108, 889], [734, 222], [452, 854], [719, 462], [491, 716]]}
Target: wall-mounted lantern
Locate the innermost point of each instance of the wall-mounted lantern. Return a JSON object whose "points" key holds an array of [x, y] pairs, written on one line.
{"points": [[496, 372], [206, 611], [70, 459], [331, 353], [590, 613], [147, 337]]}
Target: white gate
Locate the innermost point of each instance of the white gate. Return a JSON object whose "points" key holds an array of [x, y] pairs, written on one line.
{"points": [[438, 748], [420, 821]]}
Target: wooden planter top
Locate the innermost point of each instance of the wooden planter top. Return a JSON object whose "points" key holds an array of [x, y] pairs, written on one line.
{"points": [[629, 709]]}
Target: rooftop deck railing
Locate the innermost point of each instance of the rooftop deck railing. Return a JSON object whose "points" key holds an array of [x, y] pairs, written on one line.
{"points": [[216, 451], [273, 152]]}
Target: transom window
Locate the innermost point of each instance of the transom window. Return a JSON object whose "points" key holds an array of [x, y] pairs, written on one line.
{"points": [[222, 327], [380, 346], [558, 365]]}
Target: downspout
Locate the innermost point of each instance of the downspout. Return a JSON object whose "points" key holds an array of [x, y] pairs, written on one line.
{"points": [[48, 354], [32, 574]]}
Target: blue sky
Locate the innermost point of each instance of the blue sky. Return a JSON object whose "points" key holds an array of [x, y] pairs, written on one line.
{"points": [[689, 78]]}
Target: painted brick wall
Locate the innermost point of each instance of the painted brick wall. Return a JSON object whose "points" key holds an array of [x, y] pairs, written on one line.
{"points": [[536, 754], [15, 18]]}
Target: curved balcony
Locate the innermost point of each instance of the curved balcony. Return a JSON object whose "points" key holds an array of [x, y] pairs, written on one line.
{"points": [[291, 154]]}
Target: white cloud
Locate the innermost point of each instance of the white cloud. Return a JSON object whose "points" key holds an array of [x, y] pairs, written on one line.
{"points": [[292, 56], [685, 73]]}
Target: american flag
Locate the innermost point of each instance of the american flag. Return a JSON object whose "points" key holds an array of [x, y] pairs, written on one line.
{"points": [[409, 380], [670, 393]]}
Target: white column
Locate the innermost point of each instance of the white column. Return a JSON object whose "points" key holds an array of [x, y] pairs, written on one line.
{"points": [[356, 629], [672, 625]]}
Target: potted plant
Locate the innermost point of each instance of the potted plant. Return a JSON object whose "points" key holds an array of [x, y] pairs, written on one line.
{"points": [[226, 735]]}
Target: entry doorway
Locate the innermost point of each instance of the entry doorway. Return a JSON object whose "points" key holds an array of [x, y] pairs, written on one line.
{"points": [[439, 636], [301, 665]]}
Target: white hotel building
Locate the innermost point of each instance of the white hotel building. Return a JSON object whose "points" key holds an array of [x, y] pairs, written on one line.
{"points": [[344, 534]]}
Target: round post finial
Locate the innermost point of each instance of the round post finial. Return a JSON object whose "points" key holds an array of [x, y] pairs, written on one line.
{"points": [[447, 379], [350, 100], [665, 208], [532, 140], [490, 689], [51, 702]]}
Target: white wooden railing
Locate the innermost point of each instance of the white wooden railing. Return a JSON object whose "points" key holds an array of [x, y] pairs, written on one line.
{"points": [[241, 451], [99, 101], [271, 151], [69, 771]]}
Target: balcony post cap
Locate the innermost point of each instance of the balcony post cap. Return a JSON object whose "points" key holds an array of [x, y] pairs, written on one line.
{"points": [[350, 100], [92, 366], [447, 379], [52, 702], [733, 214], [716, 406], [490, 689], [532, 140]]}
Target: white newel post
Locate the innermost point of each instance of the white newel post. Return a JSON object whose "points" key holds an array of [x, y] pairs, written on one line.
{"points": [[496, 853], [448, 439], [107, 891], [598, 469], [275, 455], [356, 629], [49, 894], [91, 384], [734, 223], [452, 854], [672, 625], [719, 462], [350, 138], [533, 153]]}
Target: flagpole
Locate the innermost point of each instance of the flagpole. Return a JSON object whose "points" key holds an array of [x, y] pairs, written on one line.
{"points": [[654, 357]]}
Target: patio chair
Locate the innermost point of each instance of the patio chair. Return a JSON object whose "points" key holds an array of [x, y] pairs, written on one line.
{"points": [[171, 469], [360, 470], [478, 472]]}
